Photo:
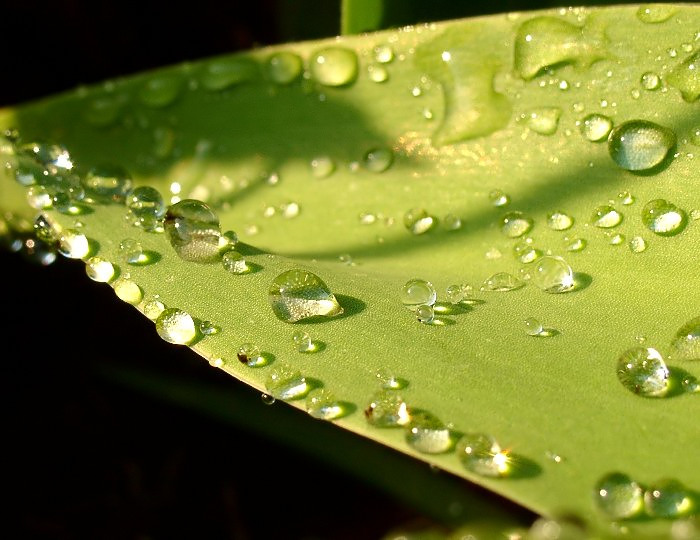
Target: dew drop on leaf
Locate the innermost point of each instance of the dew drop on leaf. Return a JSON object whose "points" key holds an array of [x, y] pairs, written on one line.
{"points": [[250, 355], [640, 145], [387, 409], [322, 166], [128, 291], [416, 292], [99, 269], [552, 274], [502, 282], [618, 496], [481, 454], [544, 120], [668, 498], [303, 342], [637, 244], [643, 371], [650, 81], [606, 217], [378, 159], [427, 434], [298, 294], [686, 342], [334, 66], [533, 327], [284, 67], [655, 13], [224, 73], [145, 207], [286, 383], [596, 127], [515, 224], [153, 308], [418, 221], [193, 230], [663, 218], [73, 244], [107, 183], [498, 198], [161, 91], [322, 404], [425, 313], [559, 221]]}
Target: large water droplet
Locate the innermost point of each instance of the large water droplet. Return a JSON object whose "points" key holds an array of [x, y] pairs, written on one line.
{"points": [[153, 308], [686, 342], [193, 231], [650, 81], [160, 91], [334, 66], [668, 498], [418, 292], [378, 159], [176, 326], [559, 221], [227, 72], [618, 496], [515, 224], [663, 218], [544, 120], [286, 383], [533, 327], [322, 404], [481, 454], [418, 221], [425, 313], [655, 13], [387, 409], [640, 145], [128, 291], [596, 127], [298, 294], [250, 355], [542, 42], [73, 244], [107, 183], [322, 166], [643, 371], [502, 282], [606, 217], [284, 67], [145, 207], [427, 434], [99, 269], [552, 274]]}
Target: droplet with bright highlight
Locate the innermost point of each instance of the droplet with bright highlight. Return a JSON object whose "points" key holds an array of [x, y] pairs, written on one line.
{"points": [[286, 383], [427, 434], [99, 269], [193, 230], [663, 218], [481, 454], [618, 496], [334, 66], [686, 342], [297, 294], [642, 370], [515, 224], [322, 404], [668, 498], [73, 244], [502, 282], [176, 326], [284, 67], [640, 145], [387, 409], [606, 217], [552, 274]]}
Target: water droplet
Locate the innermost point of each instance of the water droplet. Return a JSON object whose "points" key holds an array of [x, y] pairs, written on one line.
{"points": [[387, 409], [425, 313], [176, 326], [418, 221], [127, 291], [596, 127], [378, 159], [389, 380], [667, 498], [383, 54], [640, 145], [626, 198], [455, 294], [227, 72], [322, 166], [160, 91], [303, 342], [502, 282], [695, 136], [208, 328], [544, 120], [322, 404], [234, 262], [417, 292], [132, 251], [553, 456], [286, 383], [542, 42], [43, 230], [99, 269], [334, 66], [481, 454], [663, 218], [106, 183], [298, 294], [552, 274], [267, 399], [290, 210], [690, 384], [153, 308], [559, 221], [637, 244], [515, 224], [618, 496], [145, 207], [284, 67], [452, 222], [73, 244], [606, 217], [250, 355], [615, 239], [533, 327], [377, 73], [193, 231], [427, 434], [650, 81], [655, 13], [102, 111], [367, 218], [28, 172], [498, 198], [686, 342], [39, 198], [51, 156], [643, 371]]}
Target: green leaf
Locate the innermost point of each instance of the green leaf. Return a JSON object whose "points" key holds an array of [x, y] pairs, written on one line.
{"points": [[468, 107]]}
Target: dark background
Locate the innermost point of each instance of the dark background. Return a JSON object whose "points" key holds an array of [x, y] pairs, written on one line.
{"points": [[90, 458]]}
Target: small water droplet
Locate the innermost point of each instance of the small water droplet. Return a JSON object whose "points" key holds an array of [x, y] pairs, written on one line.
{"points": [[502, 282], [378, 159], [668, 498], [425, 313], [640, 145], [525, 252], [498, 198], [455, 294], [686, 342], [334, 66], [145, 207], [284, 67], [387, 409], [73, 244], [322, 166], [389, 380], [250, 355], [452, 222], [596, 127], [690, 384], [99, 269], [515, 224], [303, 342], [686, 77], [102, 112], [427, 434], [615, 239], [106, 184], [626, 198], [544, 120], [176, 326], [267, 399], [224, 73], [290, 210], [160, 91], [655, 13], [618, 496], [39, 198], [193, 231], [127, 291], [377, 73], [650, 81], [286, 383], [367, 218], [576, 244], [663, 218], [533, 327], [153, 308], [298, 294], [481, 454], [637, 244], [552, 274], [559, 221], [418, 221], [43, 230], [234, 262], [643, 371], [553, 456], [383, 54], [132, 251], [606, 217], [417, 292], [208, 328], [322, 404]]}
